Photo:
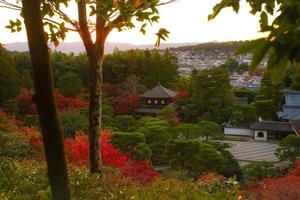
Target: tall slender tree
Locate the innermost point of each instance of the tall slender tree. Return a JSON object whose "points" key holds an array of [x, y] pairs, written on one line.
{"points": [[44, 98]]}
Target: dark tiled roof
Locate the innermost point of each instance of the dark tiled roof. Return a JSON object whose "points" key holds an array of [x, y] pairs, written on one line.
{"points": [[272, 126], [159, 92]]}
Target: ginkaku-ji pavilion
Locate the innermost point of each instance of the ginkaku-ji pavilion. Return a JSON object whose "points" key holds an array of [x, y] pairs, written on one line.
{"points": [[155, 100]]}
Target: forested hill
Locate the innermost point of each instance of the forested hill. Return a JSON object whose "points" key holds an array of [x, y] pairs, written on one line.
{"points": [[223, 46]]}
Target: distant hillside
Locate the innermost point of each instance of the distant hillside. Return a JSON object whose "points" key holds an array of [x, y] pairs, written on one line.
{"points": [[77, 47], [222, 46]]}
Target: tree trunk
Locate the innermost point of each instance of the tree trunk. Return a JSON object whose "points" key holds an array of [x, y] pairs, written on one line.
{"points": [[95, 57], [44, 99]]}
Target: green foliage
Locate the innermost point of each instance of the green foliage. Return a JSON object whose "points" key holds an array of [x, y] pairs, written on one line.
{"points": [[21, 181], [9, 77], [249, 94], [194, 157], [27, 180], [73, 121], [125, 122], [69, 84], [133, 143], [233, 65], [10, 107], [188, 131], [289, 148], [265, 109], [243, 115], [13, 145], [281, 46], [210, 97], [168, 113], [157, 133], [259, 170], [150, 66], [210, 129]]}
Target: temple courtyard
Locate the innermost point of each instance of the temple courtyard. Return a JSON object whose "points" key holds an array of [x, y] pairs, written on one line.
{"points": [[246, 152]]}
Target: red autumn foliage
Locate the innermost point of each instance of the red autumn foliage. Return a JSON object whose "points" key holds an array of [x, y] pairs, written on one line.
{"points": [[283, 188], [124, 102], [181, 95], [26, 103], [68, 103], [210, 177], [77, 153]]}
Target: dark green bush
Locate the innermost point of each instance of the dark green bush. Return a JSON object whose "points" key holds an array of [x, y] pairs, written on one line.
{"points": [[289, 148], [259, 170], [69, 84], [133, 143], [73, 121]]}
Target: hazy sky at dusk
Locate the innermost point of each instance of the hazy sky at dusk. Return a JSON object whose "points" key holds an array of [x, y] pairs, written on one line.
{"points": [[185, 19]]}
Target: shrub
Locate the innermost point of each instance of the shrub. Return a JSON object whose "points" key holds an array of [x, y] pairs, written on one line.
{"points": [[13, 145], [282, 188], [125, 122], [259, 170], [73, 121], [22, 181], [77, 153], [289, 148], [69, 84], [9, 78], [133, 143], [210, 129], [12, 142]]}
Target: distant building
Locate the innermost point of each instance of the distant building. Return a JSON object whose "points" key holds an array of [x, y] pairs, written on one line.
{"points": [[185, 70], [155, 100], [265, 130], [291, 109]]}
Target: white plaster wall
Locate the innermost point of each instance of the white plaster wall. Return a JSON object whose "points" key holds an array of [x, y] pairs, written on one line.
{"points": [[239, 131]]}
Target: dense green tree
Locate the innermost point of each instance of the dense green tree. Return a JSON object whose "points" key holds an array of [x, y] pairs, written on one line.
{"points": [[210, 129], [181, 152], [265, 109], [150, 67], [194, 156], [125, 123], [73, 121], [157, 133], [243, 115], [134, 143], [9, 77], [210, 96], [259, 170], [69, 84], [234, 66], [188, 131], [295, 84], [289, 148]]}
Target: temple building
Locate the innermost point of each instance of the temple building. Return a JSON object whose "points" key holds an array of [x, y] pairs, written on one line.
{"points": [[155, 100], [291, 109]]}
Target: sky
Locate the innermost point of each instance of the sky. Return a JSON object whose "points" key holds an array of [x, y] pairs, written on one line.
{"points": [[185, 19]]}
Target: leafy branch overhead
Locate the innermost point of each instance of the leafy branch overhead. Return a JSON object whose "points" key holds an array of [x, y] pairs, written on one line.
{"points": [[282, 45], [101, 17]]}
